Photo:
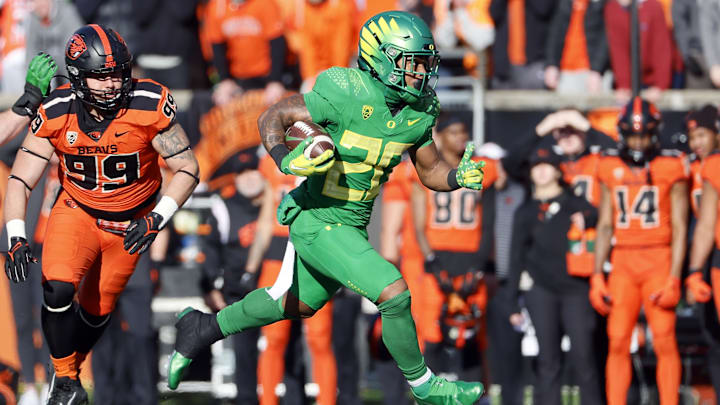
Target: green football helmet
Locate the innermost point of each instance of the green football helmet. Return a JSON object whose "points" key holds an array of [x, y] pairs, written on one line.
{"points": [[392, 44]]}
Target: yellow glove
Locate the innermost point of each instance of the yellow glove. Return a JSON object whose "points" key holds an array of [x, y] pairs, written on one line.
{"points": [[469, 172], [297, 164]]}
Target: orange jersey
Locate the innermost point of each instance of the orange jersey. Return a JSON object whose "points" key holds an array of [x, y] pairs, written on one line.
{"points": [[398, 188], [581, 175], [281, 185], [709, 172], [696, 183], [109, 168], [641, 199], [246, 28], [454, 219]]}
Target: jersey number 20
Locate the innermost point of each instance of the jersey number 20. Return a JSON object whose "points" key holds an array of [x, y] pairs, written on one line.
{"points": [[109, 172]]}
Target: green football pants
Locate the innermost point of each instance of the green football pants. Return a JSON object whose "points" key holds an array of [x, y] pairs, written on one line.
{"points": [[329, 256]]}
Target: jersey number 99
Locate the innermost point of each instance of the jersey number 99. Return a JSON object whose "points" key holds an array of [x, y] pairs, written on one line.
{"points": [[109, 172]]}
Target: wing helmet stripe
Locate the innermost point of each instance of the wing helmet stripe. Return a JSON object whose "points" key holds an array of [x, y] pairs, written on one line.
{"points": [[105, 42]]}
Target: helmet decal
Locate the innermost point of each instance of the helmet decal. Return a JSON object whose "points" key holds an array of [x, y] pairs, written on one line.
{"points": [[109, 61], [76, 47]]}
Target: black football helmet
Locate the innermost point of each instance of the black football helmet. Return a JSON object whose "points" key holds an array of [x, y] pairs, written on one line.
{"points": [[639, 117], [96, 49]]}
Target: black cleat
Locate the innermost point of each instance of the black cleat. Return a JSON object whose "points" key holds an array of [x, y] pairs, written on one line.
{"points": [[66, 391], [195, 331]]}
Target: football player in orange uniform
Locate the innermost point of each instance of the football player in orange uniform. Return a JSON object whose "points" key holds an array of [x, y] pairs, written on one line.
{"points": [[702, 127], [448, 227], [270, 241], [643, 206], [108, 130]]}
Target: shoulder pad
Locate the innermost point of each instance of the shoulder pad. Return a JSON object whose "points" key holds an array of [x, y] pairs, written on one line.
{"points": [[145, 95], [59, 102]]}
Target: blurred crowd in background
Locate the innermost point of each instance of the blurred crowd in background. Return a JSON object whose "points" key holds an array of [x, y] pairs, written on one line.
{"points": [[238, 57]]}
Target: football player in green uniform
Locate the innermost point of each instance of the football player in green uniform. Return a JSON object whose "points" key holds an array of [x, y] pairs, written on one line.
{"points": [[373, 115]]}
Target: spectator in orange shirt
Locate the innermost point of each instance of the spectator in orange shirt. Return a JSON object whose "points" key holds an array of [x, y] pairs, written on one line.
{"points": [[248, 47], [577, 51], [463, 21], [309, 39]]}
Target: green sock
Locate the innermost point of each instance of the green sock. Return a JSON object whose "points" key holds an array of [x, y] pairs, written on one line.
{"points": [[400, 337], [255, 310]]}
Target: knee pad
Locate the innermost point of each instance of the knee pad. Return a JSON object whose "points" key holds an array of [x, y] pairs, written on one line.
{"points": [[93, 321], [396, 305], [58, 295]]}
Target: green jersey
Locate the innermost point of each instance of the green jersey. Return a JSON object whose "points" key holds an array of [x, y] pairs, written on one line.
{"points": [[369, 142]]}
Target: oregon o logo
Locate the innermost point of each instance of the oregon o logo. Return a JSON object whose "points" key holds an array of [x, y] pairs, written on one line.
{"points": [[391, 124]]}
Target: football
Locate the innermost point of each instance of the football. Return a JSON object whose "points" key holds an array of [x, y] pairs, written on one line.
{"points": [[303, 129]]}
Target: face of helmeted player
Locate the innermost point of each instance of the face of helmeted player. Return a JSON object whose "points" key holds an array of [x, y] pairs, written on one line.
{"points": [[420, 65], [639, 142], [249, 183], [702, 141], [454, 137], [544, 174], [105, 86]]}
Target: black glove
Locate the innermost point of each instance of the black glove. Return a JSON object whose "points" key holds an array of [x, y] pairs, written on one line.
{"points": [[142, 232], [248, 282], [18, 259]]}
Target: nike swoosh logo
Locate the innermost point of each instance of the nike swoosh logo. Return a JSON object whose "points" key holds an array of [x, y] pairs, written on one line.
{"points": [[117, 134], [412, 122]]}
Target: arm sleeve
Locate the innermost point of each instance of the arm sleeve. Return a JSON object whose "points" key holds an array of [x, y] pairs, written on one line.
{"points": [[556, 34], [597, 45]]}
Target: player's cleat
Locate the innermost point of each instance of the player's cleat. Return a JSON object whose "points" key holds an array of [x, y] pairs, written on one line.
{"points": [[66, 391], [195, 330], [444, 392]]}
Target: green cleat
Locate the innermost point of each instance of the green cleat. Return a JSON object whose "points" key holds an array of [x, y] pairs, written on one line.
{"points": [[444, 392], [194, 331]]}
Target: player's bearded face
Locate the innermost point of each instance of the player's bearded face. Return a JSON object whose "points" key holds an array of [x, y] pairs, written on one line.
{"points": [[702, 141], [105, 87]]}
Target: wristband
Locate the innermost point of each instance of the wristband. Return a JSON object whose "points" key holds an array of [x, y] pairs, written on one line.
{"points": [[15, 229], [166, 207], [452, 180], [278, 153]]}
